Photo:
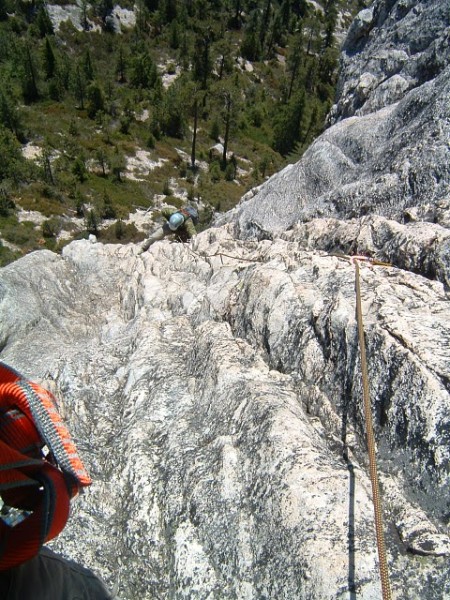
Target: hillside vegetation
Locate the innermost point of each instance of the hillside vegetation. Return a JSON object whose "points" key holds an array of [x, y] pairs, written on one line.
{"points": [[117, 109]]}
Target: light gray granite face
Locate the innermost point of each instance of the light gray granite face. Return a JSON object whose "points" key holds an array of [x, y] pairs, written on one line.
{"points": [[212, 389], [387, 145]]}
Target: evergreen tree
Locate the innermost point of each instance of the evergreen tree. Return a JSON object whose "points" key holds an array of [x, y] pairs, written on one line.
{"points": [[275, 36], [152, 5], [29, 77], [300, 8], [92, 222], [251, 43], [47, 165], [95, 99], [102, 159], [265, 22], [295, 58], [225, 57], [3, 10], [88, 68], [142, 71], [201, 60], [168, 10], [108, 211], [10, 155], [286, 129], [172, 111], [49, 59], [235, 21], [79, 169], [174, 39], [118, 165], [229, 97], [84, 12], [79, 85], [121, 65], [184, 53], [9, 113], [331, 15], [44, 22]]}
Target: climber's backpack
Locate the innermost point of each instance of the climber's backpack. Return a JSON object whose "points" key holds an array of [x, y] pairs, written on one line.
{"points": [[190, 212]]}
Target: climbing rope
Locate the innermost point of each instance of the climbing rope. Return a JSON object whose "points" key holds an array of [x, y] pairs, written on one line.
{"points": [[378, 517], [383, 567]]}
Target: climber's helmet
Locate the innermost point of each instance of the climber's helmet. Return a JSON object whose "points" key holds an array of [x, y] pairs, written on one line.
{"points": [[175, 221]]}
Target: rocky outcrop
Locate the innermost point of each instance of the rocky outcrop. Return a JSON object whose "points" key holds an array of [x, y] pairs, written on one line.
{"points": [[387, 148], [214, 392], [214, 388]]}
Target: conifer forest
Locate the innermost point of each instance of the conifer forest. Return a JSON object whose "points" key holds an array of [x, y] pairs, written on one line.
{"points": [[107, 109]]}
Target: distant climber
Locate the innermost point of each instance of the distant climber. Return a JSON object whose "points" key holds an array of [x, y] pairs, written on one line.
{"points": [[40, 472], [180, 222]]}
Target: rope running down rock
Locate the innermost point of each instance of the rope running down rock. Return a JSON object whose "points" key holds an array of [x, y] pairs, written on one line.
{"points": [[384, 573]]}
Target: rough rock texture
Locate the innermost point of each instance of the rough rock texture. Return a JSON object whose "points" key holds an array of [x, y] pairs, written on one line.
{"points": [[214, 388], [214, 391], [388, 146]]}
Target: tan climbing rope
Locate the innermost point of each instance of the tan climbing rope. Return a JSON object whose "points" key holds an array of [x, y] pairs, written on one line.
{"points": [[384, 573]]}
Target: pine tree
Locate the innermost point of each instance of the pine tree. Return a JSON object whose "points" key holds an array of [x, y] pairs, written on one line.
{"points": [[92, 222], [44, 22], [88, 69], [121, 65], [95, 99], [296, 57], [201, 60], [9, 113], [235, 20], [49, 59], [286, 129], [108, 211], [331, 15], [29, 77], [142, 71], [251, 44], [168, 10], [265, 23], [84, 11], [47, 165], [79, 86], [10, 164], [3, 10]]}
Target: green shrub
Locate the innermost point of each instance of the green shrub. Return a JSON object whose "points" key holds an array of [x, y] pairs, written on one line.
{"points": [[214, 172], [166, 188], [51, 227], [122, 233], [92, 222], [7, 255]]}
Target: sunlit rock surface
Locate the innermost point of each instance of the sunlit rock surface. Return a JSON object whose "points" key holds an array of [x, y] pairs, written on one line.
{"points": [[214, 392], [388, 147], [214, 388]]}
